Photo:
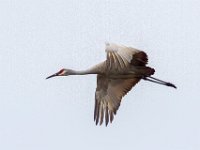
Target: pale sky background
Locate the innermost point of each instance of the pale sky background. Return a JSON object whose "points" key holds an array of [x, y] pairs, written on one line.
{"points": [[38, 38]]}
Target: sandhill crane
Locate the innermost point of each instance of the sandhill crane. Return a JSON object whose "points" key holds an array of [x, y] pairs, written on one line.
{"points": [[123, 68]]}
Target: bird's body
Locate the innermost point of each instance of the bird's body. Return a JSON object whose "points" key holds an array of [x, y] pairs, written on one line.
{"points": [[123, 68]]}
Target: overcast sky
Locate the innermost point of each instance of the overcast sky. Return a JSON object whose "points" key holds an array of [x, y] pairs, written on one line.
{"points": [[38, 38]]}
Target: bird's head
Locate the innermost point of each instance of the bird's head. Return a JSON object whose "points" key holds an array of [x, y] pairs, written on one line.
{"points": [[62, 72]]}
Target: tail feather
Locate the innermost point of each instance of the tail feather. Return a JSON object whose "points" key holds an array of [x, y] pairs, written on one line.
{"points": [[146, 71], [149, 71]]}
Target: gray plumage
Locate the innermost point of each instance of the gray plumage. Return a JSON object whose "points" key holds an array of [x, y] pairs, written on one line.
{"points": [[123, 69]]}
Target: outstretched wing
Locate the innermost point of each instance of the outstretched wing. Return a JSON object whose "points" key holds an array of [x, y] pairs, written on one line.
{"points": [[108, 95], [121, 57]]}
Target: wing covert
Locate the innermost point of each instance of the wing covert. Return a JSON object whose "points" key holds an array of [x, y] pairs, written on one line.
{"points": [[120, 57]]}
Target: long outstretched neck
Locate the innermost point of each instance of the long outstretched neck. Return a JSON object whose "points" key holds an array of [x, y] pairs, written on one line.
{"points": [[158, 81], [97, 69], [82, 72]]}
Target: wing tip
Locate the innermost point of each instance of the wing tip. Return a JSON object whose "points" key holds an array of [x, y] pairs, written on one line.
{"points": [[113, 46], [101, 115]]}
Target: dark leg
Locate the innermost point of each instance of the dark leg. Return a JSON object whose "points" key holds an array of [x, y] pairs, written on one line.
{"points": [[158, 81]]}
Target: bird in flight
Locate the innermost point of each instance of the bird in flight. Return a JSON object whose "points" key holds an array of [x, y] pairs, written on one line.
{"points": [[123, 68]]}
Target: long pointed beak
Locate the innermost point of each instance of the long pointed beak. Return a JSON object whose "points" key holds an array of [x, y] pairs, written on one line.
{"points": [[53, 75]]}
